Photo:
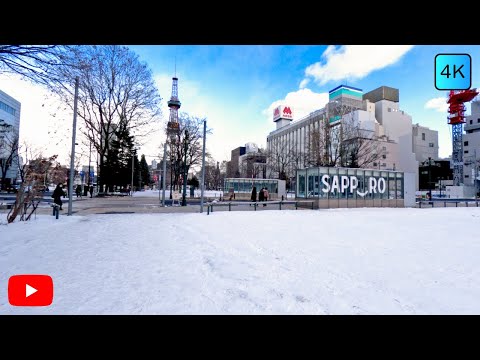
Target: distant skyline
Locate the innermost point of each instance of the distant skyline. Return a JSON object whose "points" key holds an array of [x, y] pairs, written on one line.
{"points": [[236, 87]]}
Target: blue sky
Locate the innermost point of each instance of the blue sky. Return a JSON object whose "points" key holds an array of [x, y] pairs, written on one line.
{"points": [[237, 87]]}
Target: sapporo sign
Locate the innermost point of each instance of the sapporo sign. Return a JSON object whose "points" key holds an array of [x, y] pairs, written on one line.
{"points": [[343, 183]]}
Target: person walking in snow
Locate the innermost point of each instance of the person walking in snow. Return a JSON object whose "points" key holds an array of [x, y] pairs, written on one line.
{"points": [[57, 195], [253, 197]]}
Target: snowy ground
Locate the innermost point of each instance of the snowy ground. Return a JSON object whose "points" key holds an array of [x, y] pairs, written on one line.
{"points": [[343, 261]]}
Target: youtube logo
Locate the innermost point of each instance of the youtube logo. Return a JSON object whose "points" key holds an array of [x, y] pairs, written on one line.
{"points": [[30, 290]]}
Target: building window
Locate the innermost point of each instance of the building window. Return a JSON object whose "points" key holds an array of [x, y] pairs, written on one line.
{"points": [[465, 152], [7, 108], [384, 164], [466, 176], [465, 143], [384, 156], [431, 145], [471, 122], [384, 148], [423, 136], [375, 164], [478, 121]]}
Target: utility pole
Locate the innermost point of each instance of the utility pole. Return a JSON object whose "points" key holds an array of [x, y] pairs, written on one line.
{"points": [[184, 200], [164, 172], [72, 157], [131, 186], [430, 177], [203, 164], [89, 161]]}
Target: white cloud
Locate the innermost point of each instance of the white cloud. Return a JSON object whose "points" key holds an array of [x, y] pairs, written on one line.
{"points": [[439, 104], [304, 83], [352, 62], [303, 102]]}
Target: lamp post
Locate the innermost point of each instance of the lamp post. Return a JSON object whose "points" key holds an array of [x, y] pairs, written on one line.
{"points": [[440, 185], [203, 165], [89, 161], [430, 177], [131, 185], [72, 156], [184, 200]]}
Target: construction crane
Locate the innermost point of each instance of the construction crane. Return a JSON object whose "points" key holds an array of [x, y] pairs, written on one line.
{"points": [[456, 118]]}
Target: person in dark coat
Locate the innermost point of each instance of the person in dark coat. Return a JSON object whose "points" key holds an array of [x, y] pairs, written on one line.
{"points": [[57, 195], [254, 194], [91, 191], [260, 195], [78, 191]]}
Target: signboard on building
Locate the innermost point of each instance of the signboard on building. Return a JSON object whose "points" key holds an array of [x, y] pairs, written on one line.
{"points": [[282, 112]]}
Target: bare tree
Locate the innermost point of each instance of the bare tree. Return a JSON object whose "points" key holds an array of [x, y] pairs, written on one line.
{"points": [[31, 191], [283, 159], [115, 89], [341, 140], [361, 146], [192, 143], [253, 164], [8, 149], [34, 62]]}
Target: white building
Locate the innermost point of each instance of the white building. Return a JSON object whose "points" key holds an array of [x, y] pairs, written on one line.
{"points": [[377, 112], [471, 145], [9, 115], [424, 143]]}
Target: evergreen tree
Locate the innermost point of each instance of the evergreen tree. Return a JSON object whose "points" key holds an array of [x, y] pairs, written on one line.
{"points": [[117, 170], [144, 172]]}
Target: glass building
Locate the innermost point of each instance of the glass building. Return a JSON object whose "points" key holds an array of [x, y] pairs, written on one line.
{"points": [[242, 187], [348, 187]]}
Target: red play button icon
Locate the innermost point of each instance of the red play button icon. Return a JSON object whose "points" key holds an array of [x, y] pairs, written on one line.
{"points": [[30, 290]]}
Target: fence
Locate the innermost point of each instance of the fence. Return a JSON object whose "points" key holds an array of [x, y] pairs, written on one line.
{"points": [[448, 203], [281, 203]]}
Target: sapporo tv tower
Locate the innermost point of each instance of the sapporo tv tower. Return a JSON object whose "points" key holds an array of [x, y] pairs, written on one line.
{"points": [[173, 127]]}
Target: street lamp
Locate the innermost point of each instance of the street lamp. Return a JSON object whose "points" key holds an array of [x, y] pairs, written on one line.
{"points": [[184, 200], [440, 186], [133, 157]]}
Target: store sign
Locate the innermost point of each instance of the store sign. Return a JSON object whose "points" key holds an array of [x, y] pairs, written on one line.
{"points": [[282, 112], [345, 183]]}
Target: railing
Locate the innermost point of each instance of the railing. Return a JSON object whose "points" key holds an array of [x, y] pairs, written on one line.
{"points": [[256, 204], [444, 202]]}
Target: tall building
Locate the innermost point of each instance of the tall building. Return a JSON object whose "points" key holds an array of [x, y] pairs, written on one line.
{"points": [[233, 169], [9, 116], [424, 143], [303, 143], [471, 146]]}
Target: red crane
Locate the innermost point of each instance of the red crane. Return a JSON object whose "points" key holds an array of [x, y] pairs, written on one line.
{"points": [[456, 118]]}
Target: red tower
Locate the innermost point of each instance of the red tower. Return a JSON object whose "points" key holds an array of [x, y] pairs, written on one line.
{"points": [[456, 118]]}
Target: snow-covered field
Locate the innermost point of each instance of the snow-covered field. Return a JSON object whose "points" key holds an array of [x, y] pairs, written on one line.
{"points": [[343, 261]]}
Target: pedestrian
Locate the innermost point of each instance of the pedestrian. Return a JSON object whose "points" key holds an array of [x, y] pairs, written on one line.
{"points": [[57, 195], [261, 196], [91, 191], [265, 195], [78, 191], [253, 197]]}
